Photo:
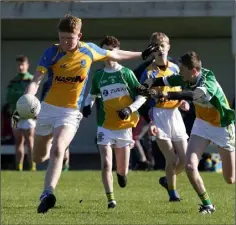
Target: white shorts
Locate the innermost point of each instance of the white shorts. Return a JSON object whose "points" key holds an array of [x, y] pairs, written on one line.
{"points": [[51, 116], [223, 137], [169, 123], [26, 124], [115, 138]]}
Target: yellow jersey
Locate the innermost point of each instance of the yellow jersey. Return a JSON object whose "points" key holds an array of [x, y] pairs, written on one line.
{"points": [[153, 71], [68, 72]]}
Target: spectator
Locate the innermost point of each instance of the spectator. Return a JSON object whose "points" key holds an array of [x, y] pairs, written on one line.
{"points": [[24, 133]]}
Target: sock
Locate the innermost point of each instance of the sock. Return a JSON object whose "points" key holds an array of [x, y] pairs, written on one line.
{"points": [[20, 167], [205, 198], [33, 167], [110, 196], [173, 193], [45, 193]]}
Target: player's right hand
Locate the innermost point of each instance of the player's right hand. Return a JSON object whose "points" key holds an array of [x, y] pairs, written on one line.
{"points": [[87, 111], [15, 118], [153, 131]]}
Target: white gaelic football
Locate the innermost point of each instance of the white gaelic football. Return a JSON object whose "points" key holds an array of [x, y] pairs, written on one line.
{"points": [[28, 106]]}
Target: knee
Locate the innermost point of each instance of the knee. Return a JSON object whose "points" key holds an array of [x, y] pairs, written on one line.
{"points": [[171, 162], [230, 180], [107, 166], [57, 152], [190, 167]]}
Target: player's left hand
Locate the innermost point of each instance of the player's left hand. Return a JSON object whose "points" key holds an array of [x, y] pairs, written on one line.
{"points": [[124, 113], [86, 111], [149, 50], [184, 105]]}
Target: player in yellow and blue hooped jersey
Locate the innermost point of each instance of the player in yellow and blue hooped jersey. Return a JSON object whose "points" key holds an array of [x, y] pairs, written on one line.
{"points": [[67, 65], [116, 86], [214, 120], [165, 116]]}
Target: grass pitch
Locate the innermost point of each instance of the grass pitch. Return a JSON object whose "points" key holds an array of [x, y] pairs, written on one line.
{"points": [[143, 201]]}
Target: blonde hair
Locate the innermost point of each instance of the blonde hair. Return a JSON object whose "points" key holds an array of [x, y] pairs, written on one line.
{"points": [[159, 37], [70, 24]]}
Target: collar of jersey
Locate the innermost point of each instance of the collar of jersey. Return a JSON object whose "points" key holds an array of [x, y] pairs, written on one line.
{"points": [[80, 44], [113, 70]]}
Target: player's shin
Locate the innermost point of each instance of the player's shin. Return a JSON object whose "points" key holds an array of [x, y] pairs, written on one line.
{"points": [[169, 182], [197, 183], [106, 172]]}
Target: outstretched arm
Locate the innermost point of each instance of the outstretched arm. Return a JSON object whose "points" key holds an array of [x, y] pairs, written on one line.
{"points": [[119, 55], [34, 84]]}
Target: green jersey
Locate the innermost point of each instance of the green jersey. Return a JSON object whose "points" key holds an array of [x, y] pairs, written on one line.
{"points": [[117, 91], [213, 106], [16, 88]]}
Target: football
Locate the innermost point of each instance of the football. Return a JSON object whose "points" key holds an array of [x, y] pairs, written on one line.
{"points": [[28, 106]]}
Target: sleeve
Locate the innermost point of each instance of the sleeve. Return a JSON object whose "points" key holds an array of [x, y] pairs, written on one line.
{"points": [[98, 53], [131, 80], [208, 88], [174, 80], [95, 90], [144, 76], [141, 68], [45, 61], [140, 100], [90, 99]]}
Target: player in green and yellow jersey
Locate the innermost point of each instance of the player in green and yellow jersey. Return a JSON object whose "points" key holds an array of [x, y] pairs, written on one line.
{"points": [[214, 120], [116, 86]]}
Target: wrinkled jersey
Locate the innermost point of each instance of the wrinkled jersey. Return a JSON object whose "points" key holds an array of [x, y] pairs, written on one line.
{"points": [[117, 90], [68, 73], [213, 106]]}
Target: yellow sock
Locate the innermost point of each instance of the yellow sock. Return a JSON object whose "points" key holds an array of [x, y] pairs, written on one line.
{"points": [[110, 196], [33, 168], [20, 167]]}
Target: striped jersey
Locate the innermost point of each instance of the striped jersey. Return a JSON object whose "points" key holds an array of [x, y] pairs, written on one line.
{"points": [[213, 106], [117, 91], [153, 71]]}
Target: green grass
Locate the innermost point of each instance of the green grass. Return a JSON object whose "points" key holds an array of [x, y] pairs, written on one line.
{"points": [[143, 201]]}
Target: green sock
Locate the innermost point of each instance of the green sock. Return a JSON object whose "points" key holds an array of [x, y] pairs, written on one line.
{"points": [[110, 196], [205, 198]]}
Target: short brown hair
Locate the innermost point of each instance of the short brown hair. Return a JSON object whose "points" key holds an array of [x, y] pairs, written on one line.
{"points": [[110, 41], [21, 58], [191, 60], [70, 24], [159, 37]]}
